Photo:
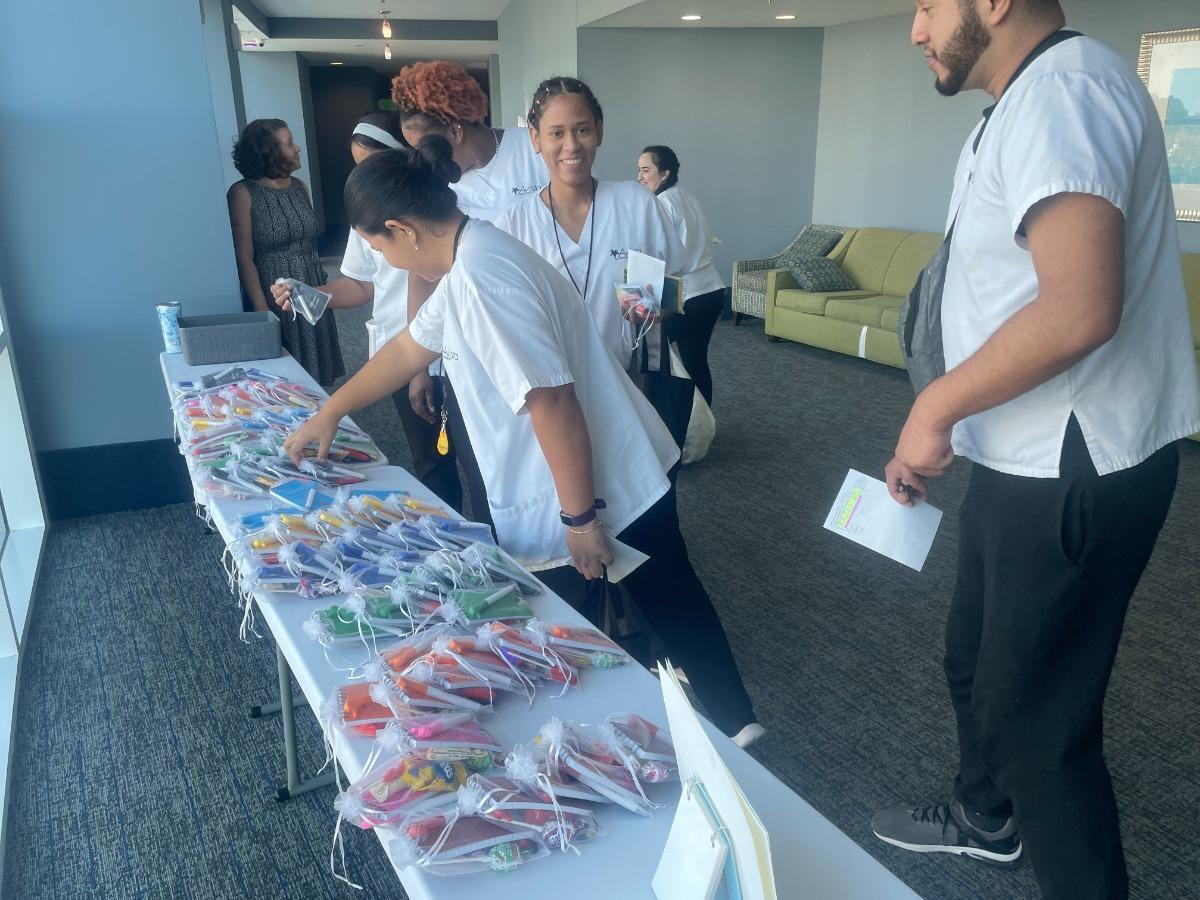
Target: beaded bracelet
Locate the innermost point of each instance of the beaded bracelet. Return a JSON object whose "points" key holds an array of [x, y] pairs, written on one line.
{"points": [[596, 526]]}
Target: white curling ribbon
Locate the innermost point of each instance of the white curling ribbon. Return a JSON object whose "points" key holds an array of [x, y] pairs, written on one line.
{"points": [[316, 629], [329, 717], [485, 635], [382, 694], [374, 669], [355, 604], [348, 804], [441, 647], [452, 612], [247, 627]]}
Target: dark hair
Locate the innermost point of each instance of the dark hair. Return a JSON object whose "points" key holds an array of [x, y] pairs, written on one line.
{"points": [[256, 153], [388, 121], [395, 184], [554, 87], [438, 94], [665, 160]]}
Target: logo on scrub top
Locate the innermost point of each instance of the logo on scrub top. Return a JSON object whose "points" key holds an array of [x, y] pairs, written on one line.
{"points": [[521, 190], [449, 354], [623, 252]]}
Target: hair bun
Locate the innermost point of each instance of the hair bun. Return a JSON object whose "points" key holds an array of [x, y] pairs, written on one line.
{"points": [[437, 156]]}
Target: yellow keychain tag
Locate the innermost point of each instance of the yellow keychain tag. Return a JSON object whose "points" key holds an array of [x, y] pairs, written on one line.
{"points": [[443, 441]]}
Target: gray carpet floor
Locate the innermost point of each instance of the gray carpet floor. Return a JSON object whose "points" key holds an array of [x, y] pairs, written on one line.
{"points": [[136, 772]]}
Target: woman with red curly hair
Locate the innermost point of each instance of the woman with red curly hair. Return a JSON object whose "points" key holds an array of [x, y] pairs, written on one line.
{"points": [[499, 167]]}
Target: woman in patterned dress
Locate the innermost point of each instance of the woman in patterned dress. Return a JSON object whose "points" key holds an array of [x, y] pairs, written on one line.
{"points": [[273, 229]]}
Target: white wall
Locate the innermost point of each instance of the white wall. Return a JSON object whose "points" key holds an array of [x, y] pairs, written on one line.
{"points": [[225, 79], [224, 76], [537, 40], [275, 86], [737, 105], [111, 200], [887, 142]]}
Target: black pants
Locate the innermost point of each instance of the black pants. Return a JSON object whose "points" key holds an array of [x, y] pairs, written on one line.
{"points": [[674, 602], [440, 473], [692, 332], [1045, 574], [436, 472], [460, 446]]}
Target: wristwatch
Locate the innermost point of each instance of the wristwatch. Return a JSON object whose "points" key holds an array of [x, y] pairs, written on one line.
{"points": [[585, 517]]}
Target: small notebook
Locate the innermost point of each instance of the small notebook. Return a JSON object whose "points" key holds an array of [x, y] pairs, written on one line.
{"points": [[694, 861]]}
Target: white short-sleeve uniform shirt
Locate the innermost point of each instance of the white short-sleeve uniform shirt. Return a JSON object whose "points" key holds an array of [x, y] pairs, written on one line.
{"points": [[625, 216], [389, 306], [506, 323], [515, 172], [1077, 121], [700, 275]]}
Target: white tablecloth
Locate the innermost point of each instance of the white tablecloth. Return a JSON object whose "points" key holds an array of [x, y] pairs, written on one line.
{"points": [[812, 858]]}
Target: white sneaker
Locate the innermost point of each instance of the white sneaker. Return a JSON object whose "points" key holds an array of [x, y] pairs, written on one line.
{"points": [[749, 735]]}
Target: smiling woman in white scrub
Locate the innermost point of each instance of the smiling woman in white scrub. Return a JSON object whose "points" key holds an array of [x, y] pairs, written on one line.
{"points": [[704, 289], [562, 434], [583, 226], [499, 167], [367, 278]]}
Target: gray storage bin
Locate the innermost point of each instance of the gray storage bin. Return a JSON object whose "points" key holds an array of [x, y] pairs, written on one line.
{"points": [[235, 337]]}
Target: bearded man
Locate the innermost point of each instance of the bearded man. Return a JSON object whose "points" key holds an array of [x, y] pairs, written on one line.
{"points": [[1070, 376]]}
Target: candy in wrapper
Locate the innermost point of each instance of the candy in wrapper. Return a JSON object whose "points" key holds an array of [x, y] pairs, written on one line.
{"points": [[645, 746], [580, 646], [577, 752], [528, 766], [399, 788], [461, 845], [442, 737], [559, 825]]}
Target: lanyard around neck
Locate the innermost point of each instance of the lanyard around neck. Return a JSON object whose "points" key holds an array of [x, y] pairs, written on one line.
{"points": [[1049, 41], [462, 226], [591, 239]]}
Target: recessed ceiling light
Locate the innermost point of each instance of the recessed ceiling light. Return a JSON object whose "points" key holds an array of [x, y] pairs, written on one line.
{"points": [[785, 18], [691, 18], [337, 63]]}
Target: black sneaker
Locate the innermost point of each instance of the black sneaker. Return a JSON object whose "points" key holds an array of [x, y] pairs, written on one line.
{"points": [[948, 828]]}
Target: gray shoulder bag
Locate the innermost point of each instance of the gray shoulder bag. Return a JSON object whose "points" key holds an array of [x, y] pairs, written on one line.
{"points": [[921, 316]]}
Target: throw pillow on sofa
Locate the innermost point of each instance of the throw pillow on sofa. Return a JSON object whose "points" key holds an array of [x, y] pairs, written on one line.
{"points": [[813, 240], [821, 275]]}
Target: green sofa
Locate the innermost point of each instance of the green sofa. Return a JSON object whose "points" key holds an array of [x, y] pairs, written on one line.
{"points": [[1191, 281], [884, 263]]}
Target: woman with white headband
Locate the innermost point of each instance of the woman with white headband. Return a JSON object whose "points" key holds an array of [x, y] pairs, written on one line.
{"points": [[367, 278]]}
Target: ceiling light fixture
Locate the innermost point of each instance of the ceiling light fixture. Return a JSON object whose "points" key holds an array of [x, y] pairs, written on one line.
{"points": [[387, 51], [337, 63], [786, 18], [691, 18], [387, 26]]}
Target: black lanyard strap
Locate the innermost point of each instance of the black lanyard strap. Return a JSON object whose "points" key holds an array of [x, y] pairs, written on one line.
{"points": [[1049, 41], [591, 239]]}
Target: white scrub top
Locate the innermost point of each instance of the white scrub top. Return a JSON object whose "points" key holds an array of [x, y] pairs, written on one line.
{"points": [[506, 323], [1078, 120], [515, 172], [389, 307], [625, 216], [700, 275]]}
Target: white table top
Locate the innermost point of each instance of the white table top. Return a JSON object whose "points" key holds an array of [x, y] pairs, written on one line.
{"points": [[812, 858]]}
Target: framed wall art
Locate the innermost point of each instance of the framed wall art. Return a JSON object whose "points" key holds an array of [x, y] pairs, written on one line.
{"points": [[1169, 64]]}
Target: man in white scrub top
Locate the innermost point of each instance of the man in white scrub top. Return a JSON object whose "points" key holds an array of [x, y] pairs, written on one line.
{"points": [[1070, 376]]}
